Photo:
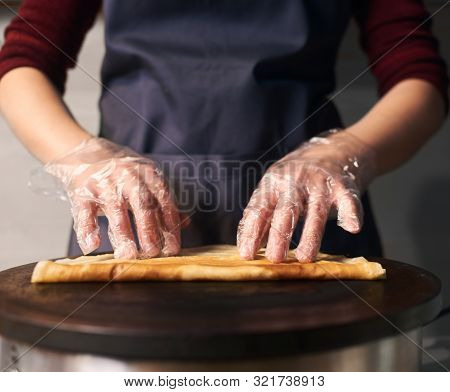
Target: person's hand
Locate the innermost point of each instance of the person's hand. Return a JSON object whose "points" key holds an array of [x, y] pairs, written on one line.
{"points": [[323, 176], [101, 177]]}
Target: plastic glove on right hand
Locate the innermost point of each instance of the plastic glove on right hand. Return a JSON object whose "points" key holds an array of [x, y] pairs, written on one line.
{"points": [[101, 177]]}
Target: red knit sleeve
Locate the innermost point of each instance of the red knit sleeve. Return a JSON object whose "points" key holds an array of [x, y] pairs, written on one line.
{"points": [[47, 35], [399, 44]]}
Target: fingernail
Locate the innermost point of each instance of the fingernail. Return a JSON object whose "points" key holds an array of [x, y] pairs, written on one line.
{"points": [[126, 251], [246, 251], [276, 256], [149, 251], [351, 225], [171, 244], [304, 256], [90, 242], [276, 250]]}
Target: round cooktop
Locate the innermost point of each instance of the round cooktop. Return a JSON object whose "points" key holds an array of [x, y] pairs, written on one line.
{"points": [[215, 320]]}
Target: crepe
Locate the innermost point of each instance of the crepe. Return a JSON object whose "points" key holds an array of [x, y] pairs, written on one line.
{"points": [[207, 263]]}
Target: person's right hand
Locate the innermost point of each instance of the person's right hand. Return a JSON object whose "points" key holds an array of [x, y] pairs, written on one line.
{"points": [[101, 177]]}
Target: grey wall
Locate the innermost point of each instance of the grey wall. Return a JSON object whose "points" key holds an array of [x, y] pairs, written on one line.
{"points": [[412, 204]]}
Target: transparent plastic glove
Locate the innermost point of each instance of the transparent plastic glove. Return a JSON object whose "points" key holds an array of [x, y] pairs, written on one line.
{"points": [[101, 177], [322, 177]]}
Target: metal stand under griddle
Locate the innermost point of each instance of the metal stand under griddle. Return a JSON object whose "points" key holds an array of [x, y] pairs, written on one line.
{"points": [[198, 326]]}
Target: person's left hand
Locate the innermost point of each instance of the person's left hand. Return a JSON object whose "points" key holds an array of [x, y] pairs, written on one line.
{"points": [[323, 176]]}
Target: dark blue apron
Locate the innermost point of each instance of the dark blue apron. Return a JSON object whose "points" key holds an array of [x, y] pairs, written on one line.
{"points": [[207, 87]]}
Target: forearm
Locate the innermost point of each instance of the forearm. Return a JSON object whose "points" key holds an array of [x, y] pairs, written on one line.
{"points": [[37, 114], [400, 123]]}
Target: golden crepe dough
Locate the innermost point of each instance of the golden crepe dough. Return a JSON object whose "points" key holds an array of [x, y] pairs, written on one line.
{"points": [[207, 263]]}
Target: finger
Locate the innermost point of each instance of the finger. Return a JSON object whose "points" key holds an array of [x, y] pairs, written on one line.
{"points": [[255, 223], [284, 221], [145, 211], [265, 236], [170, 217], [350, 211], [119, 229], [251, 230], [185, 220], [314, 226], [86, 225]]}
